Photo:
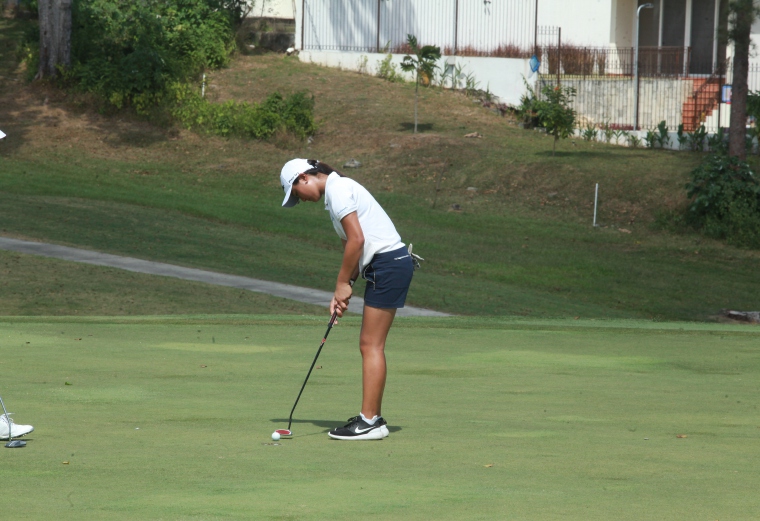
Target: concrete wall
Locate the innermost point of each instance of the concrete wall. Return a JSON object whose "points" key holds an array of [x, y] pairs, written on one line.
{"points": [[502, 76], [611, 101], [284, 9]]}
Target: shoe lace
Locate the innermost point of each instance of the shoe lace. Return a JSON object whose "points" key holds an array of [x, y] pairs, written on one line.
{"points": [[7, 419], [352, 420]]}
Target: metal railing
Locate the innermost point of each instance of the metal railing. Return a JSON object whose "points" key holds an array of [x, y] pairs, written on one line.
{"points": [[613, 61], [605, 87], [484, 28]]}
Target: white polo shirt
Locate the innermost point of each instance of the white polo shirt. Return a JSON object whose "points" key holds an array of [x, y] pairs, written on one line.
{"points": [[343, 196]]}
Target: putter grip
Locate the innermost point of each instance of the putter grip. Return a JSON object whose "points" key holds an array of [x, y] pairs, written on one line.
{"points": [[335, 313]]}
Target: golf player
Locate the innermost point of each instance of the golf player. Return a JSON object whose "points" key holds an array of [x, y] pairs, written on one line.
{"points": [[373, 249]]}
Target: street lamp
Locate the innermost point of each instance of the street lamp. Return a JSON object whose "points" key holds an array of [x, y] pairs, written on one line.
{"points": [[636, 68]]}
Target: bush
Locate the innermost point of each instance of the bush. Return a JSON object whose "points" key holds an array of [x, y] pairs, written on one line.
{"points": [[555, 113], [527, 110], [28, 50], [258, 121], [130, 53], [387, 70], [725, 201]]}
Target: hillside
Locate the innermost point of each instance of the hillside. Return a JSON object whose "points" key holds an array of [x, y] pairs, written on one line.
{"points": [[510, 232]]}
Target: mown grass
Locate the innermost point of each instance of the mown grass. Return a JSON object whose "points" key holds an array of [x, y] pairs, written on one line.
{"points": [[170, 418], [522, 242], [32, 285]]}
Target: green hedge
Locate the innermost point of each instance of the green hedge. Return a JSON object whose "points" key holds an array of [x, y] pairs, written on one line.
{"points": [[725, 200], [259, 121], [131, 52]]}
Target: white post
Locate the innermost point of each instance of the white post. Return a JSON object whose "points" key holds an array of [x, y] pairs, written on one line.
{"points": [[203, 86], [596, 199]]}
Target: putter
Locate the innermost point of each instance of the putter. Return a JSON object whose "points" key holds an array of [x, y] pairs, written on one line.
{"points": [[12, 444], [288, 432]]}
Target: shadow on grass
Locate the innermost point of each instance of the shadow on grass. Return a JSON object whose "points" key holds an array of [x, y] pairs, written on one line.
{"points": [[26, 107], [421, 127], [325, 424]]}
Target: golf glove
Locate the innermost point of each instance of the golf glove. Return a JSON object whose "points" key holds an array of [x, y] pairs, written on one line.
{"points": [[415, 258]]}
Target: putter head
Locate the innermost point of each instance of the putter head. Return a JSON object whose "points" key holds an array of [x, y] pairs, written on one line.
{"points": [[15, 444], [284, 432]]}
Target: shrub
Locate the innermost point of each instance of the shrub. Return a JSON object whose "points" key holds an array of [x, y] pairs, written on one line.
{"points": [[621, 133], [634, 140], [607, 132], [650, 138], [526, 111], [387, 70], [697, 139], [681, 137], [231, 118], [662, 137], [718, 142], [28, 50], [589, 132], [555, 113], [725, 200], [130, 53]]}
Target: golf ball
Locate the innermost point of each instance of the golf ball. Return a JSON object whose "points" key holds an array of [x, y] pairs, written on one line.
{"points": [[275, 436]]}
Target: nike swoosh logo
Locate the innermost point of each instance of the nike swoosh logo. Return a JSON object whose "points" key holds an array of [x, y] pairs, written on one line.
{"points": [[362, 431]]}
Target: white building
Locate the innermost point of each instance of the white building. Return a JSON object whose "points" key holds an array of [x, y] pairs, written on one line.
{"points": [[281, 9], [494, 39]]}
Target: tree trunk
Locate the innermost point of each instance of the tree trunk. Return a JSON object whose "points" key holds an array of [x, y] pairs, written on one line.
{"points": [[55, 37], [554, 144], [737, 133]]}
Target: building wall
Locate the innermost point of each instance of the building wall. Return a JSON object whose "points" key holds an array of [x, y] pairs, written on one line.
{"points": [[622, 23], [503, 77], [364, 25], [583, 22], [754, 57], [284, 9]]}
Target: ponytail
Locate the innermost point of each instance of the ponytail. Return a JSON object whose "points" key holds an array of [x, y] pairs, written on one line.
{"points": [[318, 167]]}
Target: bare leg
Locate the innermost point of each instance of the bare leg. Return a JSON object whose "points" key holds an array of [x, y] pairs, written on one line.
{"points": [[376, 323]]}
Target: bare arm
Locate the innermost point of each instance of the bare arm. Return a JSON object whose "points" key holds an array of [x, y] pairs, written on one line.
{"points": [[353, 247], [355, 274]]}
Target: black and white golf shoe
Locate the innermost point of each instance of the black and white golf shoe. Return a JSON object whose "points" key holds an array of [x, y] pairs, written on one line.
{"points": [[358, 429], [383, 426]]}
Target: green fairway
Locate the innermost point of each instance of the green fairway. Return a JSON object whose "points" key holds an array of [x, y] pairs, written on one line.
{"points": [[170, 418]]}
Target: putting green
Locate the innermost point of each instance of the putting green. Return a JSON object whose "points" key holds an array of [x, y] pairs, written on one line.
{"points": [[170, 418]]}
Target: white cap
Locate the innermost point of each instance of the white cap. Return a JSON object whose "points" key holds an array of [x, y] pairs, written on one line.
{"points": [[2, 134], [290, 173]]}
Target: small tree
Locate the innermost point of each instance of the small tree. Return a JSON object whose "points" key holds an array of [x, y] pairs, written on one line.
{"points": [[421, 61], [555, 113]]}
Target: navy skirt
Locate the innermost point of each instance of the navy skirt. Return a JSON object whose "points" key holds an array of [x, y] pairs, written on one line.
{"points": [[388, 278]]}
